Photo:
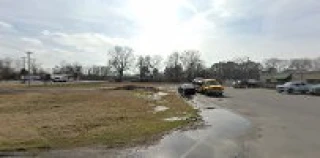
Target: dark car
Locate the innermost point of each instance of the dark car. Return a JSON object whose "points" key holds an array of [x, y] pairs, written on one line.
{"points": [[197, 83], [187, 89], [239, 84], [251, 83]]}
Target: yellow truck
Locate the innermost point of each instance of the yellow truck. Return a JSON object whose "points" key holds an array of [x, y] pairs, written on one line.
{"points": [[211, 87]]}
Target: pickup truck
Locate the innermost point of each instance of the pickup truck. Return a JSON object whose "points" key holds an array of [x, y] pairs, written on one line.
{"points": [[211, 86]]}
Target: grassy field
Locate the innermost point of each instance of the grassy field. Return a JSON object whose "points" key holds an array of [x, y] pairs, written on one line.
{"points": [[114, 118]]}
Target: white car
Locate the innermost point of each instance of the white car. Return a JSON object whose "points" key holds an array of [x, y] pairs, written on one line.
{"points": [[315, 89], [59, 78], [293, 87]]}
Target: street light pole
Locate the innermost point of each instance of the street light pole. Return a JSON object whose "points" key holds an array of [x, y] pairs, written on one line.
{"points": [[29, 67]]}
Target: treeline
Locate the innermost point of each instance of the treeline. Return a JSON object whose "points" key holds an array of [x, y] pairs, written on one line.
{"points": [[181, 66], [297, 64], [13, 69]]}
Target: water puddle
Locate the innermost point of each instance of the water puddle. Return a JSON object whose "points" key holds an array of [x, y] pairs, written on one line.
{"points": [[217, 139]]}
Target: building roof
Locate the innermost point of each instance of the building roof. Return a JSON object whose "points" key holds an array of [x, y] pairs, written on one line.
{"points": [[281, 76]]}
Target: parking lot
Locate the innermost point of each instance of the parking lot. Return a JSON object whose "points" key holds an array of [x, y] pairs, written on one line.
{"points": [[283, 125]]}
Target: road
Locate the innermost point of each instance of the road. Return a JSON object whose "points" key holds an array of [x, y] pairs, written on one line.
{"points": [[284, 126]]}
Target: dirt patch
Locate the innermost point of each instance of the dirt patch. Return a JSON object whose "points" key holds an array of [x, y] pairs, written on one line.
{"points": [[136, 87]]}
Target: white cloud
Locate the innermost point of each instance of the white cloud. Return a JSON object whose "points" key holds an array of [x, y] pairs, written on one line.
{"points": [[5, 25], [221, 29], [89, 42], [32, 41], [45, 32]]}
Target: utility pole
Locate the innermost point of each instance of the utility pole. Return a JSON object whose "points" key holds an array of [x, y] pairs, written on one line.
{"points": [[23, 62], [23, 70], [29, 67]]}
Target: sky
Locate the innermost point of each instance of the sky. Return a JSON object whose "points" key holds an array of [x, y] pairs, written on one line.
{"points": [[84, 30]]}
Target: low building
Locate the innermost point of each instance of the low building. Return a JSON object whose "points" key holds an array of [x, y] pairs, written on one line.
{"points": [[311, 77], [270, 78]]}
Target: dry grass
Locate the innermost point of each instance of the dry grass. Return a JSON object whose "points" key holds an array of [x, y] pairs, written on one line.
{"points": [[33, 121], [40, 85]]}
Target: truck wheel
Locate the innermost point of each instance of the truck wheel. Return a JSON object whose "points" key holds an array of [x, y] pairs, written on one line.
{"points": [[205, 92]]}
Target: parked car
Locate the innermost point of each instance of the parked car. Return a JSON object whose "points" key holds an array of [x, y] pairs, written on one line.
{"points": [[197, 83], [239, 84], [315, 89], [251, 83], [211, 86], [59, 78], [187, 90], [293, 87]]}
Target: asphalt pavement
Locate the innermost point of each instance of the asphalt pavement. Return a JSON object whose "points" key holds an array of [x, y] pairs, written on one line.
{"points": [[284, 126]]}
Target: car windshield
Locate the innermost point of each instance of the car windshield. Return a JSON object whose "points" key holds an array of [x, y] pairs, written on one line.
{"points": [[212, 83]]}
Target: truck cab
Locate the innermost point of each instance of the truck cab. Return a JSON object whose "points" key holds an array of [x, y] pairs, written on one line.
{"points": [[211, 87]]}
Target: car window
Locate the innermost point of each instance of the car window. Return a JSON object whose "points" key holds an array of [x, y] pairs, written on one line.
{"points": [[288, 84], [212, 83]]}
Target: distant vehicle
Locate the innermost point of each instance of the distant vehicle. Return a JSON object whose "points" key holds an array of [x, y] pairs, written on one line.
{"points": [[59, 78], [239, 84], [293, 87], [31, 77], [251, 83], [187, 90], [197, 83], [315, 89], [211, 86]]}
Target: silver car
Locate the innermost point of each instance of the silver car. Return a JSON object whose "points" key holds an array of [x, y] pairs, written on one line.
{"points": [[293, 87], [315, 89]]}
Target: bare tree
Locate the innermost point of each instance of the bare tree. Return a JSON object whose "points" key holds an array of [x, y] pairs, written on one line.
{"points": [[316, 64], [35, 67], [302, 64], [121, 58], [156, 61], [145, 67], [278, 64], [6, 69], [190, 60], [174, 59], [174, 69]]}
